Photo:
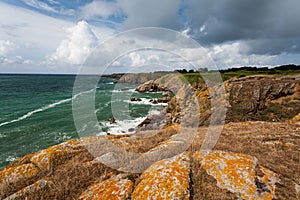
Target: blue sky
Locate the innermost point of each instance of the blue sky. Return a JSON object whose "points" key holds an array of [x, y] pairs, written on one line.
{"points": [[52, 36]]}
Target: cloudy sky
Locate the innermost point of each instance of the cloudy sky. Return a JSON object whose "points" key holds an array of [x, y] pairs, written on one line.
{"points": [[56, 36]]}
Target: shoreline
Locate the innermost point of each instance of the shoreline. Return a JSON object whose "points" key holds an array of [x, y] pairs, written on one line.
{"points": [[256, 139]]}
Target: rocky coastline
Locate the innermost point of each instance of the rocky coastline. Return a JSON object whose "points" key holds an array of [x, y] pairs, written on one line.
{"points": [[256, 156]]}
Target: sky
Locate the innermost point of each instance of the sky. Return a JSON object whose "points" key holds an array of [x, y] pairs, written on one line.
{"points": [[52, 36]]}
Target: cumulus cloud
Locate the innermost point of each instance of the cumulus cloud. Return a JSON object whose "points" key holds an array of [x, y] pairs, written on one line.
{"points": [[6, 46], [136, 59], [77, 46], [231, 55]]}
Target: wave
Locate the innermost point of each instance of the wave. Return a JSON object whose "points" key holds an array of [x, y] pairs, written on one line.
{"points": [[124, 126], [11, 158], [43, 108], [145, 101], [125, 90]]}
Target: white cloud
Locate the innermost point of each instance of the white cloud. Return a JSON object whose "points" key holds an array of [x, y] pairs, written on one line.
{"points": [[14, 60], [77, 46], [136, 59], [6, 46], [102, 9], [231, 55], [34, 33]]}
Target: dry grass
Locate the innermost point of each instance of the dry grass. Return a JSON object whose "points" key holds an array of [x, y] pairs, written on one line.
{"points": [[275, 145], [203, 186], [142, 142]]}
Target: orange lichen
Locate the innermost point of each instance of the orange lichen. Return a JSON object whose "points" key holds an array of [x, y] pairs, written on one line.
{"points": [[269, 178], [288, 144], [113, 188], [19, 173], [236, 173], [51, 157], [173, 127], [295, 119], [165, 179], [35, 187], [199, 155]]}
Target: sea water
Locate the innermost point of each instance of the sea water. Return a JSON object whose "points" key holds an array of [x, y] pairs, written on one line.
{"points": [[36, 111]]}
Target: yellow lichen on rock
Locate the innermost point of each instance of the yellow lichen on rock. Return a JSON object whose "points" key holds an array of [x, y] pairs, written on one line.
{"points": [[165, 179], [55, 155], [173, 127], [14, 175], [295, 119], [42, 184], [236, 173], [114, 188]]}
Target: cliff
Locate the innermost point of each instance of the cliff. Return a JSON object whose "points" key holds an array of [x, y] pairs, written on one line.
{"points": [[256, 156]]}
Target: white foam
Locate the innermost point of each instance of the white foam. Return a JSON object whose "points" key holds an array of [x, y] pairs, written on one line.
{"points": [[44, 108], [125, 90], [11, 158], [154, 112], [121, 127], [145, 101]]}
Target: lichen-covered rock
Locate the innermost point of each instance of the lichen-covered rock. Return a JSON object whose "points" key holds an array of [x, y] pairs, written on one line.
{"points": [[115, 188], [14, 177], [53, 156], [236, 173], [295, 119], [15, 174], [40, 185], [165, 179]]}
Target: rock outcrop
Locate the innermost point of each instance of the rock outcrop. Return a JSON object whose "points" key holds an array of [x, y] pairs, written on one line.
{"points": [[117, 188], [263, 98], [252, 160], [236, 173], [166, 179], [151, 86]]}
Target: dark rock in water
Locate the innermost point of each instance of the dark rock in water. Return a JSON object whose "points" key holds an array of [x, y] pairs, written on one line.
{"points": [[164, 100], [154, 101], [112, 120], [131, 130], [135, 99]]}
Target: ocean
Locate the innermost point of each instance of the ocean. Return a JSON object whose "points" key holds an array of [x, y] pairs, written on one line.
{"points": [[36, 111]]}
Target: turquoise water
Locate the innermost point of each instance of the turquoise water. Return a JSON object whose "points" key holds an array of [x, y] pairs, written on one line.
{"points": [[36, 111]]}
